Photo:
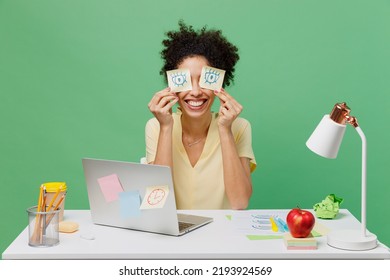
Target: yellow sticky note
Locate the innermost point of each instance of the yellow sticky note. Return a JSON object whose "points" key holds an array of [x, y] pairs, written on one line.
{"points": [[179, 80], [211, 78], [155, 197]]}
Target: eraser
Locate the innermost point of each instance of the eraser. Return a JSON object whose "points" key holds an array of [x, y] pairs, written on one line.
{"points": [[68, 227]]}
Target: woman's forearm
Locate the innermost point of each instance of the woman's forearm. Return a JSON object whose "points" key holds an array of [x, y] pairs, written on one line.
{"points": [[236, 172], [164, 147]]}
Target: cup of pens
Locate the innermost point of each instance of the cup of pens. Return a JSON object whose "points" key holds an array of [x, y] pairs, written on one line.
{"points": [[43, 219], [43, 226]]}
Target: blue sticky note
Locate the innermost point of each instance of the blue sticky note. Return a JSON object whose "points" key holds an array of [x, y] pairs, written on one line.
{"points": [[129, 203]]}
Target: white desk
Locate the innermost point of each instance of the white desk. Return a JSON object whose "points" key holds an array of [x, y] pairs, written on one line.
{"points": [[217, 240]]}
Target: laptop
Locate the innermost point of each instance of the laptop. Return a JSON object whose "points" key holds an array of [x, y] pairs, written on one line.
{"points": [[135, 196]]}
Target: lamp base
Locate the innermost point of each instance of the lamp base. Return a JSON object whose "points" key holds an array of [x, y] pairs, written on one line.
{"points": [[352, 240]]}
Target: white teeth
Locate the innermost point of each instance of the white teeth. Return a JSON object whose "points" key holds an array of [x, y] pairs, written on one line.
{"points": [[195, 103]]}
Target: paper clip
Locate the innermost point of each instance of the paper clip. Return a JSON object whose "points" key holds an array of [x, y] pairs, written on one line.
{"points": [[261, 221], [259, 216], [261, 227]]}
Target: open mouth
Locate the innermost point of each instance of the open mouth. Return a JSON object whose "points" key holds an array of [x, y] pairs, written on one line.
{"points": [[196, 104]]}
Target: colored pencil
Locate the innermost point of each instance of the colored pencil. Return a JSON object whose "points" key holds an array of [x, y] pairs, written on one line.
{"points": [[55, 208], [54, 198]]}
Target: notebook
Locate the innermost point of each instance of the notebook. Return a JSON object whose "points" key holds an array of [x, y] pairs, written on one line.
{"points": [[135, 196]]}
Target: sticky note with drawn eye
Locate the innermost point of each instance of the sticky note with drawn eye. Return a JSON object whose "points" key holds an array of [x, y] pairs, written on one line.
{"points": [[179, 80], [211, 78]]}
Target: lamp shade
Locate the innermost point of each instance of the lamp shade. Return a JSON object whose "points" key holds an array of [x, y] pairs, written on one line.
{"points": [[326, 138]]}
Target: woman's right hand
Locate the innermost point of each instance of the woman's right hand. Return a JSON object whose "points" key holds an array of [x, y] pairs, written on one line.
{"points": [[161, 106]]}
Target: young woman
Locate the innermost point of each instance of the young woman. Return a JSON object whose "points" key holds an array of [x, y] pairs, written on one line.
{"points": [[210, 154]]}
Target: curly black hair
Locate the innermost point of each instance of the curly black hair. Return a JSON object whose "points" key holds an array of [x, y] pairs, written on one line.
{"points": [[211, 44]]}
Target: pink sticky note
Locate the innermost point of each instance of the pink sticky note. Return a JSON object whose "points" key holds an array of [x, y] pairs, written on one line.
{"points": [[111, 187]]}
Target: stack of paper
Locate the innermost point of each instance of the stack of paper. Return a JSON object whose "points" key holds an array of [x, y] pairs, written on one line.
{"points": [[292, 243]]}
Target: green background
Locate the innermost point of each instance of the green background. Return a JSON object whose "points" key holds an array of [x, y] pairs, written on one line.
{"points": [[76, 77]]}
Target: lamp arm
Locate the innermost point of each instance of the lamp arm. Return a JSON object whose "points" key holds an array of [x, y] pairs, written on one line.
{"points": [[364, 178]]}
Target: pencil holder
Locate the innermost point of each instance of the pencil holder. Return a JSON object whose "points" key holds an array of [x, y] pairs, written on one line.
{"points": [[56, 192], [43, 227]]}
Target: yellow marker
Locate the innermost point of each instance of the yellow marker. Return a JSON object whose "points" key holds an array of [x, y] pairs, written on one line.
{"points": [[274, 227]]}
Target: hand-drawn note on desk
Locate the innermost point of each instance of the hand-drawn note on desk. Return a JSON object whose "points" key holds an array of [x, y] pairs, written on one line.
{"points": [[110, 187], [129, 203], [259, 224], [155, 197]]}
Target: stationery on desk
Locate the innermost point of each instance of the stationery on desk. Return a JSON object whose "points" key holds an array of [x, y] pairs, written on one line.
{"points": [[219, 240], [271, 224], [41, 217]]}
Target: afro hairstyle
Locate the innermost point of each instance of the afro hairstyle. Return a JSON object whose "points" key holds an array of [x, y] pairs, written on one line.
{"points": [[209, 43]]}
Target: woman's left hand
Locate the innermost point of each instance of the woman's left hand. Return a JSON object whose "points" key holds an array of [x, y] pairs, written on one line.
{"points": [[229, 109]]}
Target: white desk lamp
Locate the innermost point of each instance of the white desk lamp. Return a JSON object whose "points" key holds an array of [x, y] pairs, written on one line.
{"points": [[325, 141]]}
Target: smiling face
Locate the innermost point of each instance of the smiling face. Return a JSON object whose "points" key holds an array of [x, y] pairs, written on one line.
{"points": [[198, 101]]}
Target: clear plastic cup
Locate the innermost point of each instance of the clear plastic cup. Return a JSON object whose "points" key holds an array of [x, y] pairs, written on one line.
{"points": [[43, 227]]}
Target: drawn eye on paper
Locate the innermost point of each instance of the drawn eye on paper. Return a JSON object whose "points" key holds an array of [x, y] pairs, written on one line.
{"points": [[179, 80], [211, 78]]}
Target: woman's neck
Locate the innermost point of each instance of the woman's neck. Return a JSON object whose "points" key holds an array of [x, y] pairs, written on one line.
{"points": [[195, 128]]}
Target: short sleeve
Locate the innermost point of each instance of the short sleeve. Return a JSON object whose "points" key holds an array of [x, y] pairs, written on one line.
{"points": [[243, 136]]}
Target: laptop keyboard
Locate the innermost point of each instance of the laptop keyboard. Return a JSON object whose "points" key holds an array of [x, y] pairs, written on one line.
{"points": [[183, 226]]}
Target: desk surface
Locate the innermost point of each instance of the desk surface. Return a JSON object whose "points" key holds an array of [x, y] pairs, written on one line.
{"points": [[217, 240]]}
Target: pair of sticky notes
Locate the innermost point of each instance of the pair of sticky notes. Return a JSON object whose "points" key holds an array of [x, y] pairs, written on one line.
{"points": [[130, 202], [112, 190], [210, 78]]}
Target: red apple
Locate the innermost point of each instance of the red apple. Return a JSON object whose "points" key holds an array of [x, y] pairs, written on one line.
{"points": [[300, 222]]}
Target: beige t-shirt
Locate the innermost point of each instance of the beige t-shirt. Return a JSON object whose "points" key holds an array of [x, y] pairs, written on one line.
{"points": [[201, 186]]}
